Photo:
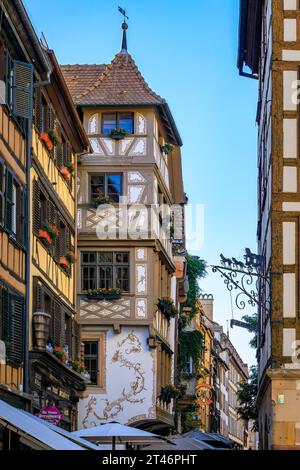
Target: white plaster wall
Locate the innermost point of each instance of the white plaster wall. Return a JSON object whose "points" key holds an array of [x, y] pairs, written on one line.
{"points": [[290, 90], [290, 138], [290, 29], [289, 295], [290, 4], [130, 383], [289, 234], [289, 179], [289, 337]]}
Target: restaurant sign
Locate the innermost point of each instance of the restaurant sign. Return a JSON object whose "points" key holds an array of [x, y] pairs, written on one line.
{"points": [[51, 414]]}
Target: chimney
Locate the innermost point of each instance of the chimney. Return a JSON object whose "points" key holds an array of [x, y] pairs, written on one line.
{"points": [[207, 302]]}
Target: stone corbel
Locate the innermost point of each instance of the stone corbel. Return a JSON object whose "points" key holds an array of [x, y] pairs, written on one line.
{"points": [[117, 328], [152, 343]]}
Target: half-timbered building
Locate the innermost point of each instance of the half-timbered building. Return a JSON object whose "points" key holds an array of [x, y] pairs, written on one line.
{"points": [[269, 51], [126, 269]]}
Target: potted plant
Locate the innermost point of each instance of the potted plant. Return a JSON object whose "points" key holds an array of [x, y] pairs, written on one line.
{"points": [[60, 353], [71, 258], [70, 167], [53, 137], [101, 294], [65, 173], [172, 390], [118, 134], [167, 148], [44, 236], [47, 141], [48, 233], [167, 307], [63, 262]]}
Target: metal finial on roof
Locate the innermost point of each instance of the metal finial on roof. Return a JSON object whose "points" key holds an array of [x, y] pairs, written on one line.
{"points": [[124, 28]]}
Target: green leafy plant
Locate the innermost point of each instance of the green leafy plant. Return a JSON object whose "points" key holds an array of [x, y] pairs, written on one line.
{"points": [[191, 343], [196, 269], [116, 133], [167, 148], [252, 320], [53, 137], [102, 200], [167, 307], [246, 394]]}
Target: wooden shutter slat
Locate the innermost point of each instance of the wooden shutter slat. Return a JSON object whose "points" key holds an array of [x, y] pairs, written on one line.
{"points": [[1, 192], [36, 207], [57, 324], [38, 109], [16, 330], [8, 200]]}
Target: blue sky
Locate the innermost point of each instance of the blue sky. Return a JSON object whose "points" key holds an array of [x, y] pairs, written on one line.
{"points": [[187, 53]]}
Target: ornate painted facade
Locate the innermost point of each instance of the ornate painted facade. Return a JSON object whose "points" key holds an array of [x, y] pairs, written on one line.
{"points": [[128, 341]]}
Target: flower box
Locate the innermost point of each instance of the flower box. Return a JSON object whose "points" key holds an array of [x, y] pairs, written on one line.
{"points": [[167, 148], [53, 137], [63, 262], [47, 141], [45, 237], [167, 307], [65, 173], [118, 134], [102, 201], [103, 294]]}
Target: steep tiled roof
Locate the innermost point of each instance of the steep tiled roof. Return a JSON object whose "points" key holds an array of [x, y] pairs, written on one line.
{"points": [[115, 84], [80, 77]]}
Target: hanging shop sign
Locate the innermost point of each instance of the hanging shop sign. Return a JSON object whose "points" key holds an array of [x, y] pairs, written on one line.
{"points": [[51, 414], [203, 394]]}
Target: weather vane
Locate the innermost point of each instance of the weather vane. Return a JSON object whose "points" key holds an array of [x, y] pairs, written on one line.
{"points": [[123, 12]]}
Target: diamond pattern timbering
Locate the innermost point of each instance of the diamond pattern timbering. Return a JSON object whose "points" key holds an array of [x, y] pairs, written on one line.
{"points": [[104, 309]]}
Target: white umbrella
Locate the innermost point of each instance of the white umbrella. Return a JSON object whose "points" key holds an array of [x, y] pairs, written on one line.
{"points": [[112, 432]]}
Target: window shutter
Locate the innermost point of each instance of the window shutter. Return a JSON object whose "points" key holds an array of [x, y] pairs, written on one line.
{"points": [[22, 89], [75, 339], [1, 192], [57, 324], [16, 330], [51, 118], [5, 316], [52, 220], [59, 148], [8, 200], [7, 79], [23, 218], [36, 207], [38, 109]]}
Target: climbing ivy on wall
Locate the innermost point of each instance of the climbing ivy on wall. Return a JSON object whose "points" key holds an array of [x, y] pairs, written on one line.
{"points": [[191, 344], [196, 269]]}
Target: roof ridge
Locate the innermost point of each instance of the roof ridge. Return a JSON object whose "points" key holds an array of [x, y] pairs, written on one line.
{"points": [[107, 72]]}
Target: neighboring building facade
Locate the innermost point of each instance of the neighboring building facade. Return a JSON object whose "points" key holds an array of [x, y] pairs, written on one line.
{"points": [[227, 372], [128, 341], [52, 319], [16, 55], [270, 49]]}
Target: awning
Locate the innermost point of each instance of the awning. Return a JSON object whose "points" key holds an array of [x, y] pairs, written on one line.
{"points": [[33, 433], [63, 432]]}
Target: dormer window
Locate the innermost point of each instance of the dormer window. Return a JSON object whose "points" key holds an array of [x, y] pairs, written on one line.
{"points": [[112, 121]]}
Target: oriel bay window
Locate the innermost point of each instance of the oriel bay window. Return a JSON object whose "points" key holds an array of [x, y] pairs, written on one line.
{"points": [[111, 121], [106, 185], [105, 270]]}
